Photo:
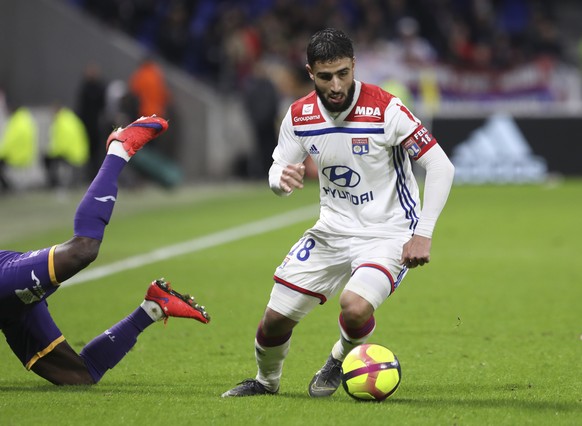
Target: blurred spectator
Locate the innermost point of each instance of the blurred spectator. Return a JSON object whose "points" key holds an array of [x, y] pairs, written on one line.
{"points": [[460, 46], [173, 35], [411, 48], [19, 144], [120, 105], [90, 108], [148, 84], [3, 109], [241, 49], [545, 39], [68, 149], [261, 102]]}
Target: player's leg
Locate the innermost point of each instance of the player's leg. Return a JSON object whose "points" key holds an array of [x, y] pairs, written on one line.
{"points": [[356, 320], [96, 207], [58, 363], [32, 276], [63, 366], [373, 280], [370, 284], [161, 302], [314, 269], [40, 346], [356, 323], [273, 340]]}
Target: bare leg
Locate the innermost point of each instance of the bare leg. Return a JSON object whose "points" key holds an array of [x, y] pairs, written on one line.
{"points": [[63, 366]]}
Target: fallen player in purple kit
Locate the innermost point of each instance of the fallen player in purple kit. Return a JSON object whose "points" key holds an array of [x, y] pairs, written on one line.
{"points": [[28, 279]]}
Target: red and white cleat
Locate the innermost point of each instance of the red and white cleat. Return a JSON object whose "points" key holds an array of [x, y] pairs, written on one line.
{"points": [[174, 304], [135, 135]]}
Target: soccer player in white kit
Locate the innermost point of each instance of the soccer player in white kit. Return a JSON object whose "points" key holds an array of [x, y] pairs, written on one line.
{"points": [[371, 229]]}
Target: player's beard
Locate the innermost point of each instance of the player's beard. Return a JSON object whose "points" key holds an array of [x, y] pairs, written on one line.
{"points": [[337, 108]]}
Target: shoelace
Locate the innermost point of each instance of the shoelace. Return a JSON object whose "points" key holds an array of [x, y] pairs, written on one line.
{"points": [[328, 369]]}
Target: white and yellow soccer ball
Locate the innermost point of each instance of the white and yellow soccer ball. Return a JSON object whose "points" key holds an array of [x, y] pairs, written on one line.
{"points": [[371, 372]]}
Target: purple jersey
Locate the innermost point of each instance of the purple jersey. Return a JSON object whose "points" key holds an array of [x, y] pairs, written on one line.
{"points": [[28, 276], [26, 280]]}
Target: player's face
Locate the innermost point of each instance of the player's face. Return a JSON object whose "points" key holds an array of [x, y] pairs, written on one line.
{"points": [[334, 83]]}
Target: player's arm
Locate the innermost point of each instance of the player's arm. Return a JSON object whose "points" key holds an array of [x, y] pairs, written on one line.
{"points": [[426, 152], [287, 171], [439, 179]]}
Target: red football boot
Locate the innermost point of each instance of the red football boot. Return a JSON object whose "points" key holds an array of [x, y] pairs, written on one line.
{"points": [[135, 135], [174, 304]]}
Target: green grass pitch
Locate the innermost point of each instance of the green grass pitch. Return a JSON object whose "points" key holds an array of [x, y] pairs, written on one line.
{"points": [[489, 333]]}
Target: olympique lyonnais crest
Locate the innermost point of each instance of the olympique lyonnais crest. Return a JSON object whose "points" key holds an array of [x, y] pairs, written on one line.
{"points": [[360, 146]]}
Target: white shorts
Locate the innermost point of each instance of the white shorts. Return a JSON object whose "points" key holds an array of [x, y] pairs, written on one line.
{"points": [[320, 264]]}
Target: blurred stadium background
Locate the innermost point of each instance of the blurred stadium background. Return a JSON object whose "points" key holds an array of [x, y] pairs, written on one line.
{"points": [[497, 81]]}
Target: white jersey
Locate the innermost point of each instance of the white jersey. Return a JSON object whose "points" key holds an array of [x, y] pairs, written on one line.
{"points": [[363, 161]]}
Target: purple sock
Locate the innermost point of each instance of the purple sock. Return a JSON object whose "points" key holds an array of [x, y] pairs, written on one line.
{"points": [[106, 350], [96, 207]]}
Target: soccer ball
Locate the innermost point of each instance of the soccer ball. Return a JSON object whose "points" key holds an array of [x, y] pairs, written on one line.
{"points": [[371, 373]]}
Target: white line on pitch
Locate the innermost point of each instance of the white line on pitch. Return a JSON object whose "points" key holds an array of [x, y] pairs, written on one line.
{"points": [[197, 244]]}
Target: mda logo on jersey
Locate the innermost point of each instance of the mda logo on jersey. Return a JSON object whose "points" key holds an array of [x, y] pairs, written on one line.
{"points": [[367, 111], [360, 146]]}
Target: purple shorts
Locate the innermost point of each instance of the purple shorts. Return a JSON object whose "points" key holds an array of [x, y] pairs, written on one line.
{"points": [[26, 279]]}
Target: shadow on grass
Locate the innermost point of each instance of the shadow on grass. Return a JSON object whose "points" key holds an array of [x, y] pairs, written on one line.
{"points": [[495, 403], [98, 389], [508, 396], [461, 396]]}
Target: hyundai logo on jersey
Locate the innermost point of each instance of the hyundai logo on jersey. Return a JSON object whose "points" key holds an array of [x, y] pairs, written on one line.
{"points": [[342, 176], [360, 146]]}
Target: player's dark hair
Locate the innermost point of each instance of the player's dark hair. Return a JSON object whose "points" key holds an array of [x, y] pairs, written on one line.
{"points": [[328, 45]]}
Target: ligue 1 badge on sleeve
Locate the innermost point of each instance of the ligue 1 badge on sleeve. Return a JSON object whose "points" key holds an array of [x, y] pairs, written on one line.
{"points": [[360, 146], [411, 147]]}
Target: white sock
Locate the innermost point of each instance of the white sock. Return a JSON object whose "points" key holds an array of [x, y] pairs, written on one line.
{"points": [[153, 310], [116, 148], [342, 348], [346, 343], [270, 362]]}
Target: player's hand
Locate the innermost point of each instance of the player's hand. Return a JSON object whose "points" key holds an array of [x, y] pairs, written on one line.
{"points": [[416, 252], [292, 177]]}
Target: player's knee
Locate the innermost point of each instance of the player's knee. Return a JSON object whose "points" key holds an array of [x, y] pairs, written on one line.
{"points": [[75, 255], [275, 324], [89, 250], [84, 251], [356, 311], [353, 317]]}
